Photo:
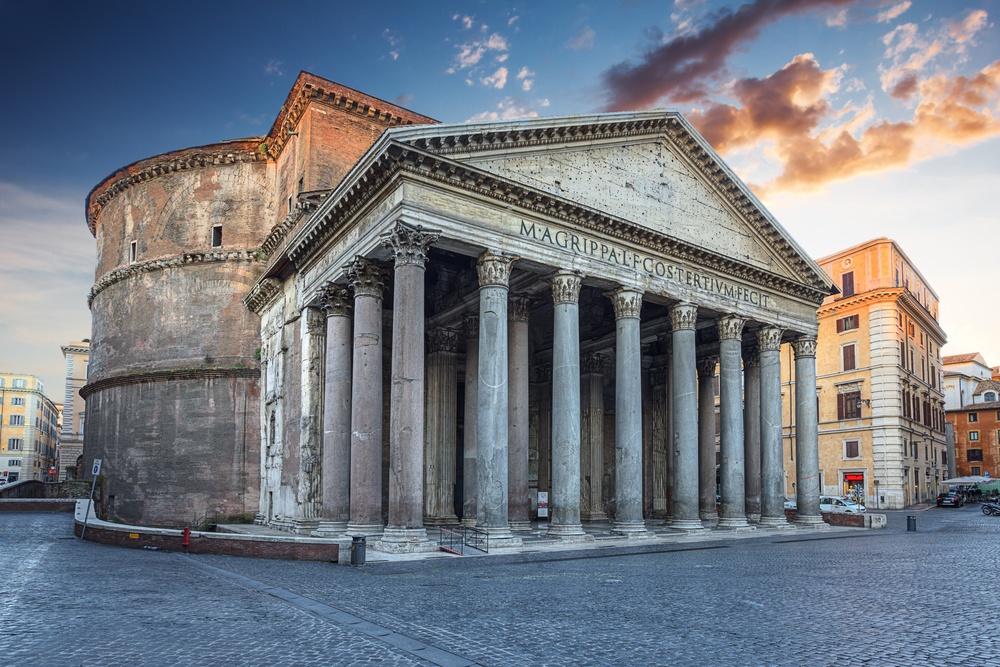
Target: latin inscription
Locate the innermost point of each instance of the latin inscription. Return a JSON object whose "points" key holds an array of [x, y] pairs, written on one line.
{"points": [[639, 262]]}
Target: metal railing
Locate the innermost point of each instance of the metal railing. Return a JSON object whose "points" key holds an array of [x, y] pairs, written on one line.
{"points": [[454, 540]]}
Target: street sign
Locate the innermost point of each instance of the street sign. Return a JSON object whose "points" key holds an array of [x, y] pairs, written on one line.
{"points": [[97, 466]]}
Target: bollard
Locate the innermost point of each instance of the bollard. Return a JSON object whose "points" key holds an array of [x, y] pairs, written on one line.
{"points": [[358, 550], [911, 524]]}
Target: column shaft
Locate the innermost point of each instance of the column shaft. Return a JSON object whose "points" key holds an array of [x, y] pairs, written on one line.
{"points": [[337, 411], [519, 379], [441, 441], [684, 418], [772, 472], [807, 489], [469, 484], [751, 432], [313, 342], [707, 505], [733, 506], [592, 438], [628, 415]]}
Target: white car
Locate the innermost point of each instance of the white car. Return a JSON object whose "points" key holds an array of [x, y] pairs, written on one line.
{"points": [[832, 504]]}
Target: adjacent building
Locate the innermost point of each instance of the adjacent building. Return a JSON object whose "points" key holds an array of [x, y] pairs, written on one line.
{"points": [[29, 429], [367, 322], [881, 396], [77, 355], [963, 374], [974, 414]]}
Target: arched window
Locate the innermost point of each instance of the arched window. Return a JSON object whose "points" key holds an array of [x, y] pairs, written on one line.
{"points": [[990, 397]]}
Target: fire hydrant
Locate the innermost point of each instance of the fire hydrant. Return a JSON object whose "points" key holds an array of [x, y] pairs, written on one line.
{"points": [[186, 539]]}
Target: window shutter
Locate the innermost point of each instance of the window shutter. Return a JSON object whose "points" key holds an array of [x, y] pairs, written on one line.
{"points": [[848, 283], [840, 406], [849, 361]]}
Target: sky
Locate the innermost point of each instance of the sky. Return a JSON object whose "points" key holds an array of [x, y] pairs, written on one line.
{"points": [[850, 119]]}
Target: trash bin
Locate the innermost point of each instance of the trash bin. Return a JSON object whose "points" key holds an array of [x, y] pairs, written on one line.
{"points": [[911, 524], [358, 548]]}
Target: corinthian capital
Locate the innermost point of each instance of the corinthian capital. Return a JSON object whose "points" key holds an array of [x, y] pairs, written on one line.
{"points": [[472, 326], [683, 316], [442, 340], [494, 268], [566, 287], [592, 363], [367, 277], [769, 339], [335, 299], [706, 366], [627, 302], [409, 244], [518, 308], [804, 347], [751, 356], [730, 327]]}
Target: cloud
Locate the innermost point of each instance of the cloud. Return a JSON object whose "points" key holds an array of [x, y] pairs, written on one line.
{"points": [[512, 20], [466, 21], [496, 80], [582, 41], [909, 52], [509, 108], [687, 66], [837, 19], [893, 12], [527, 79], [274, 68], [471, 53]]}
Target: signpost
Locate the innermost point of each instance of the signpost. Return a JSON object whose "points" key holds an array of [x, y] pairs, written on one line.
{"points": [[90, 500]]}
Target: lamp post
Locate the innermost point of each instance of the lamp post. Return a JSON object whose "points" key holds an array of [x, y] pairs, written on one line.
{"points": [[876, 494]]}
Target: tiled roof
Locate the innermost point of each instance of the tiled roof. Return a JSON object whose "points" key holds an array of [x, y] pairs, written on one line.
{"points": [[992, 405], [986, 385], [960, 358]]}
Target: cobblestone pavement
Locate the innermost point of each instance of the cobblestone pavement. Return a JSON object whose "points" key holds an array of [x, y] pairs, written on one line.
{"points": [[836, 597]]}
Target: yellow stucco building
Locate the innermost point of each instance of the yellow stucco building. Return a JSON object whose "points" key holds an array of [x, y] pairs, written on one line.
{"points": [[879, 381], [29, 429]]}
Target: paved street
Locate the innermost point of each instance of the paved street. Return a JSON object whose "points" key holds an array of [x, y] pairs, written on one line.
{"points": [[838, 597]]}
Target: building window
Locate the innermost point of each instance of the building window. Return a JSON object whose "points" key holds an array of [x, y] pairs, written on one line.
{"points": [[975, 454], [912, 329], [902, 354], [17, 400], [14, 463], [217, 236], [15, 444], [852, 449], [847, 323], [290, 205], [990, 396], [849, 356], [849, 405], [847, 282], [975, 470], [944, 457], [973, 417], [16, 420], [973, 436], [133, 251], [19, 383]]}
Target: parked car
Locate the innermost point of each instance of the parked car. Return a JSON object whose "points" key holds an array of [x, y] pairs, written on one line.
{"points": [[840, 505], [950, 498]]}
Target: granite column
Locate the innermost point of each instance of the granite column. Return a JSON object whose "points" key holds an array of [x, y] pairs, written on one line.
{"points": [[733, 513], [469, 456], [751, 432], [772, 471], [519, 379], [807, 513], [707, 506], [684, 412], [441, 442]]}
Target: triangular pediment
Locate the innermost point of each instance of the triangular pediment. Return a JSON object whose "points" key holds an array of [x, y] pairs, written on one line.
{"points": [[650, 169]]}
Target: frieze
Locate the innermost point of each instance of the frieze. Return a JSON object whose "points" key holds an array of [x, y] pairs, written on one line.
{"points": [[769, 339], [336, 299], [730, 327], [367, 277], [409, 244], [566, 286], [683, 316], [494, 268], [118, 275], [627, 302]]}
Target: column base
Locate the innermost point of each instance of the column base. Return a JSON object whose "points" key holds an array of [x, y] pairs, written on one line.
{"points": [[405, 541], [372, 530], [633, 530], [708, 516], [304, 526], [594, 517], [774, 523], [259, 520], [445, 520], [519, 526], [330, 529], [668, 520], [468, 523], [734, 525], [810, 522], [753, 518], [568, 532], [501, 537], [689, 526]]}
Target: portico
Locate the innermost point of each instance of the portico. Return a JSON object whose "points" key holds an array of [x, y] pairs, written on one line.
{"points": [[615, 260]]}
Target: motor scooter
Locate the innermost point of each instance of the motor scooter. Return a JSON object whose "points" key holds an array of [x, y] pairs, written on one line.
{"points": [[991, 508]]}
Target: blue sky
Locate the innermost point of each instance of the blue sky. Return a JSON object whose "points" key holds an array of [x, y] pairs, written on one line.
{"points": [[851, 119]]}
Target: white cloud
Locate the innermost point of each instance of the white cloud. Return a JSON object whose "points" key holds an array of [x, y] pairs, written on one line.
{"points": [[275, 68], [837, 19], [507, 109], [527, 79], [893, 12], [512, 20], [583, 40], [496, 80]]}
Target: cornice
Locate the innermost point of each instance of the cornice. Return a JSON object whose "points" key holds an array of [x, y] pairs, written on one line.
{"points": [[280, 231], [169, 375], [231, 152], [261, 294], [403, 159], [118, 275], [898, 294]]}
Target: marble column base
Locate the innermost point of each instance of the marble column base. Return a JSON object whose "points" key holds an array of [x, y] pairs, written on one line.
{"points": [[631, 529], [738, 525], [367, 529], [708, 516], [259, 520], [304, 526], [568, 533], [668, 520], [405, 541], [594, 517], [519, 526], [445, 520], [691, 526], [810, 522], [468, 523], [330, 529], [753, 518], [502, 538], [774, 523]]}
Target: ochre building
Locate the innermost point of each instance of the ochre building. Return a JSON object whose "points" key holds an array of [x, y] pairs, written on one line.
{"points": [[442, 323]]}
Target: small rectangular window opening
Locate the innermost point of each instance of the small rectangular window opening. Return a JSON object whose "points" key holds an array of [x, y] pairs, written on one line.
{"points": [[133, 248], [217, 236]]}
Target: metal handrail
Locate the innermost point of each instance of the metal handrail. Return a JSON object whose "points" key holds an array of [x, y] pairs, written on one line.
{"points": [[451, 541]]}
